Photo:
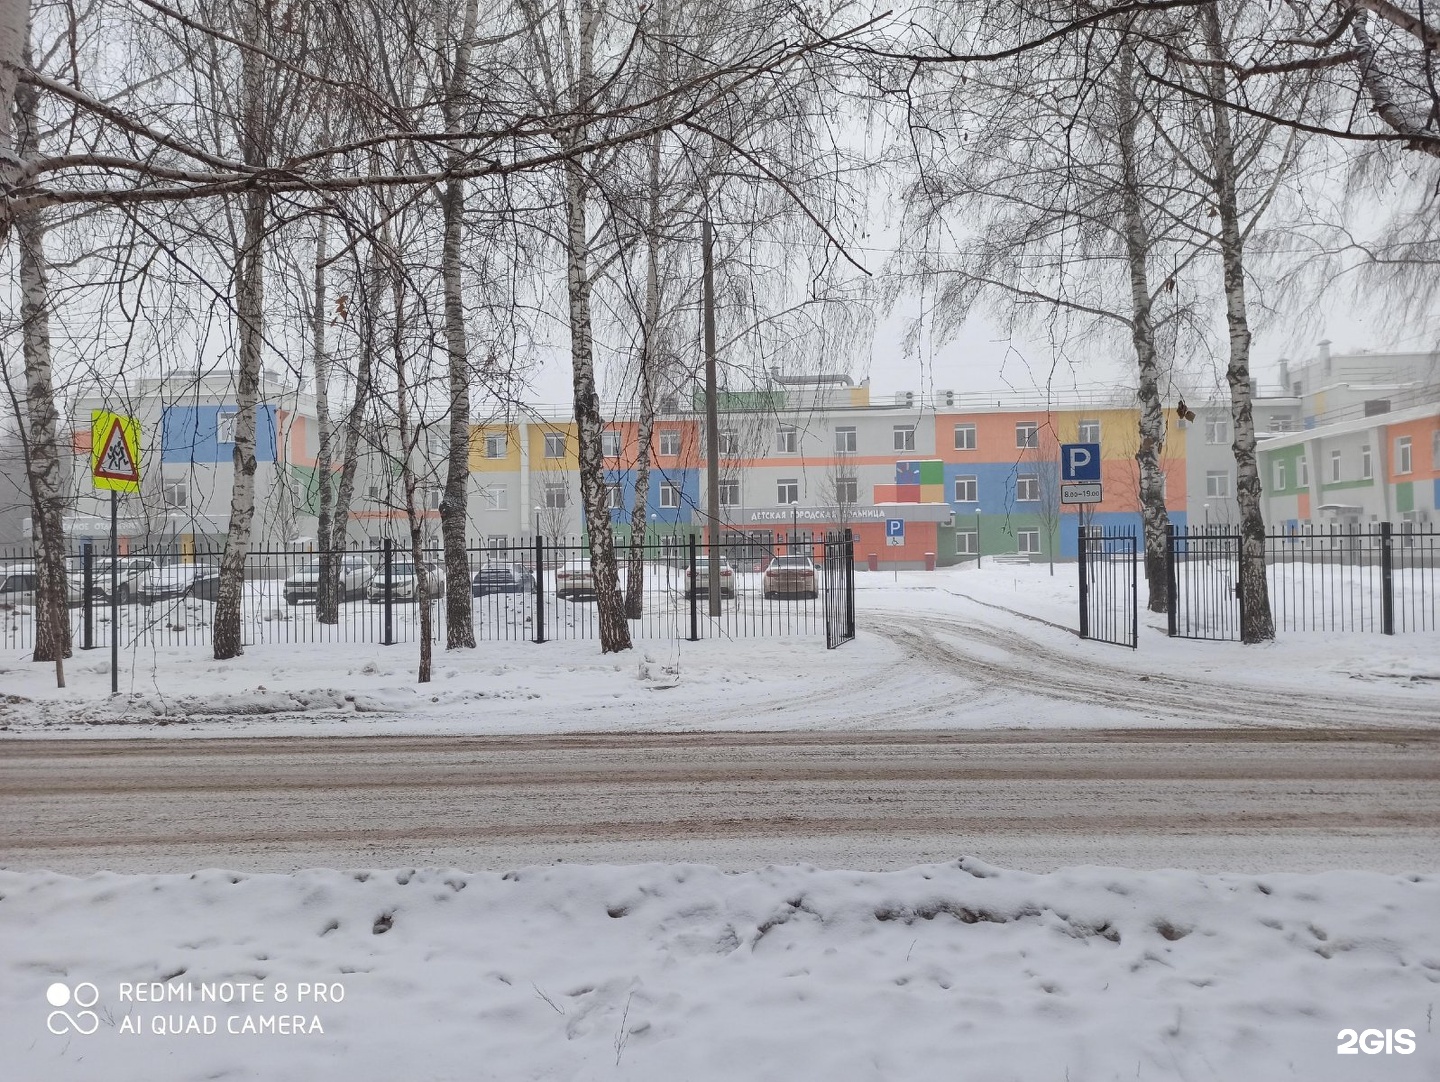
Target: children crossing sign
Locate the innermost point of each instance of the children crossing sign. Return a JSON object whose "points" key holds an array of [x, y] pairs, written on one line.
{"points": [[114, 451]]}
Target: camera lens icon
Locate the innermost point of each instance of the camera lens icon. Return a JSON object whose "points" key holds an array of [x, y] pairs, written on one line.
{"points": [[60, 995]]}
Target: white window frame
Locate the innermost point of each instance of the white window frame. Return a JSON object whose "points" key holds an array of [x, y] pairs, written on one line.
{"points": [[1304, 468], [847, 490], [729, 442], [497, 497], [669, 443], [669, 496], [1027, 541], [1217, 430], [1027, 434], [729, 493], [496, 445], [967, 543], [972, 485], [1367, 464], [787, 440], [965, 437], [225, 425], [1404, 458], [787, 486], [1278, 474], [610, 443], [176, 487], [846, 440], [904, 436], [1085, 434], [554, 445], [432, 497], [1027, 483], [1217, 484], [615, 496], [557, 496], [1336, 467]]}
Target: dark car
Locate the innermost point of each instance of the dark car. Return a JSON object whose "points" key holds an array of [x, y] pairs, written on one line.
{"points": [[501, 579]]}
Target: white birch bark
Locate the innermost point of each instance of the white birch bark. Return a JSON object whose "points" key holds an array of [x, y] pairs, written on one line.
{"points": [[327, 597], [14, 41], [1257, 623]]}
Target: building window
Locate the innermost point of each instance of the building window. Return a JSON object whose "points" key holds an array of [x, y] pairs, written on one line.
{"points": [[729, 493], [1297, 388], [1027, 541], [176, 493], [1304, 469], [1279, 424], [431, 498], [966, 489], [669, 495], [610, 443], [1217, 483], [787, 440], [904, 437], [555, 445], [497, 498], [1367, 471], [1027, 488], [669, 443], [847, 490], [1434, 451], [729, 442], [1402, 455], [964, 437], [967, 543], [1027, 434], [555, 495], [845, 441], [495, 446], [372, 492], [787, 491], [1089, 432], [617, 502], [225, 426], [1334, 466], [1217, 430], [1280, 479]]}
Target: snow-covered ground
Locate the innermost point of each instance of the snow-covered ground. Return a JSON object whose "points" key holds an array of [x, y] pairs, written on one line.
{"points": [[680, 971]]}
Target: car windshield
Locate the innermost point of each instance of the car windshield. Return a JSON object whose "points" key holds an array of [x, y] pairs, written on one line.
{"points": [[791, 562]]}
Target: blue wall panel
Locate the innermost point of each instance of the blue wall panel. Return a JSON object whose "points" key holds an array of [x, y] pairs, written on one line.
{"points": [[191, 434]]}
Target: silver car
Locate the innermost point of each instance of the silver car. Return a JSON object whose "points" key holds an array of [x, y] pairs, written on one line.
{"points": [[304, 586]]}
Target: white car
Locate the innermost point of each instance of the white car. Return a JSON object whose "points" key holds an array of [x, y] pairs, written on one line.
{"points": [[199, 580], [304, 586], [132, 573], [403, 583]]}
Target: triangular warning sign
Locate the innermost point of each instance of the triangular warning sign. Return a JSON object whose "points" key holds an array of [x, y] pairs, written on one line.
{"points": [[115, 462]]}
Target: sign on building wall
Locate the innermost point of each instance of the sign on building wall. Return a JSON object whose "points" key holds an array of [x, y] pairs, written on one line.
{"points": [[114, 451]]}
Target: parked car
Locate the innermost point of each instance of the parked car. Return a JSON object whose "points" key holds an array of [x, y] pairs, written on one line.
{"points": [[700, 583], [18, 583], [403, 583], [792, 576], [501, 579], [132, 571], [356, 574], [575, 581], [200, 580]]}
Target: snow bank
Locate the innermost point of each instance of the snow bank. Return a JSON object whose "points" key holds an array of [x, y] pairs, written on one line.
{"points": [[675, 972]]}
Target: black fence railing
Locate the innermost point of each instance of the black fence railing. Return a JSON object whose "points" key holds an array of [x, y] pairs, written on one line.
{"points": [[1109, 589], [1381, 577], [535, 589]]}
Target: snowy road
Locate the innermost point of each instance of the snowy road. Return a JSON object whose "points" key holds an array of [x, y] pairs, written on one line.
{"points": [[1235, 799]]}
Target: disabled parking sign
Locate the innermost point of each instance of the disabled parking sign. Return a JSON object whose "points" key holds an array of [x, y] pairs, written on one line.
{"points": [[894, 532]]}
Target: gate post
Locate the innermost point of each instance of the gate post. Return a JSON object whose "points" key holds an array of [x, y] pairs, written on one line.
{"points": [[87, 584], [849, 584], [1387, 579], [694, 611], [1082, 535], [1134, 592], [388, 639], [1240, 582], [539, 588], [1172, 608]]}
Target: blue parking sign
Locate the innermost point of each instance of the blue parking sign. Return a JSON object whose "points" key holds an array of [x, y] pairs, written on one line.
{"points": [[894, 531], [1079, 462]]}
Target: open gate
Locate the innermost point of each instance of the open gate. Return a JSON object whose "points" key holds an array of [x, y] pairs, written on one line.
{"points": [[838, 585], [1109, 595], [1203, 568]]}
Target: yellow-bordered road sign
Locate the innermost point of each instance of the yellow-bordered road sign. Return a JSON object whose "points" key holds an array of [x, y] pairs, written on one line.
{"points": [[114, 451]]}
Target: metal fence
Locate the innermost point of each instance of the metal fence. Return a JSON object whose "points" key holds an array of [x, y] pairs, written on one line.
{"points": [[1109, 585], [1374, 578], [535, 589]]}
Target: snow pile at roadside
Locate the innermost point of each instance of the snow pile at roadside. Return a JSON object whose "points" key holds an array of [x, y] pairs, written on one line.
{"points": [[668, 972]]}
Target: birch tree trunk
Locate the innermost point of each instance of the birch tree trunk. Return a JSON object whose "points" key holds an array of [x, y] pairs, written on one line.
{"points": [[408, 481], [41, 444], [327, 595], [1257, 623], [1153, 512], [355, 418], [14, 44], [454, 509]]}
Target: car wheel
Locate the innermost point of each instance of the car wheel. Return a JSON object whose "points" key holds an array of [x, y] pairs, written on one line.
{"points": [[123, 594]]}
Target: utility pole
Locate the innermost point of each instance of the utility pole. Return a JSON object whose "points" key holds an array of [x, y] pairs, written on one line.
{"points": [[712, 421]]}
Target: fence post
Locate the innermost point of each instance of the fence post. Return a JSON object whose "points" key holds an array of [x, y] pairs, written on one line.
{"points": [[1083, 536], [1134, 592], [87, 584], [1387, 579], [694, 609], [539, 588], [1172, 601], [1240, 582], [388, 639], [849, 584]]}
